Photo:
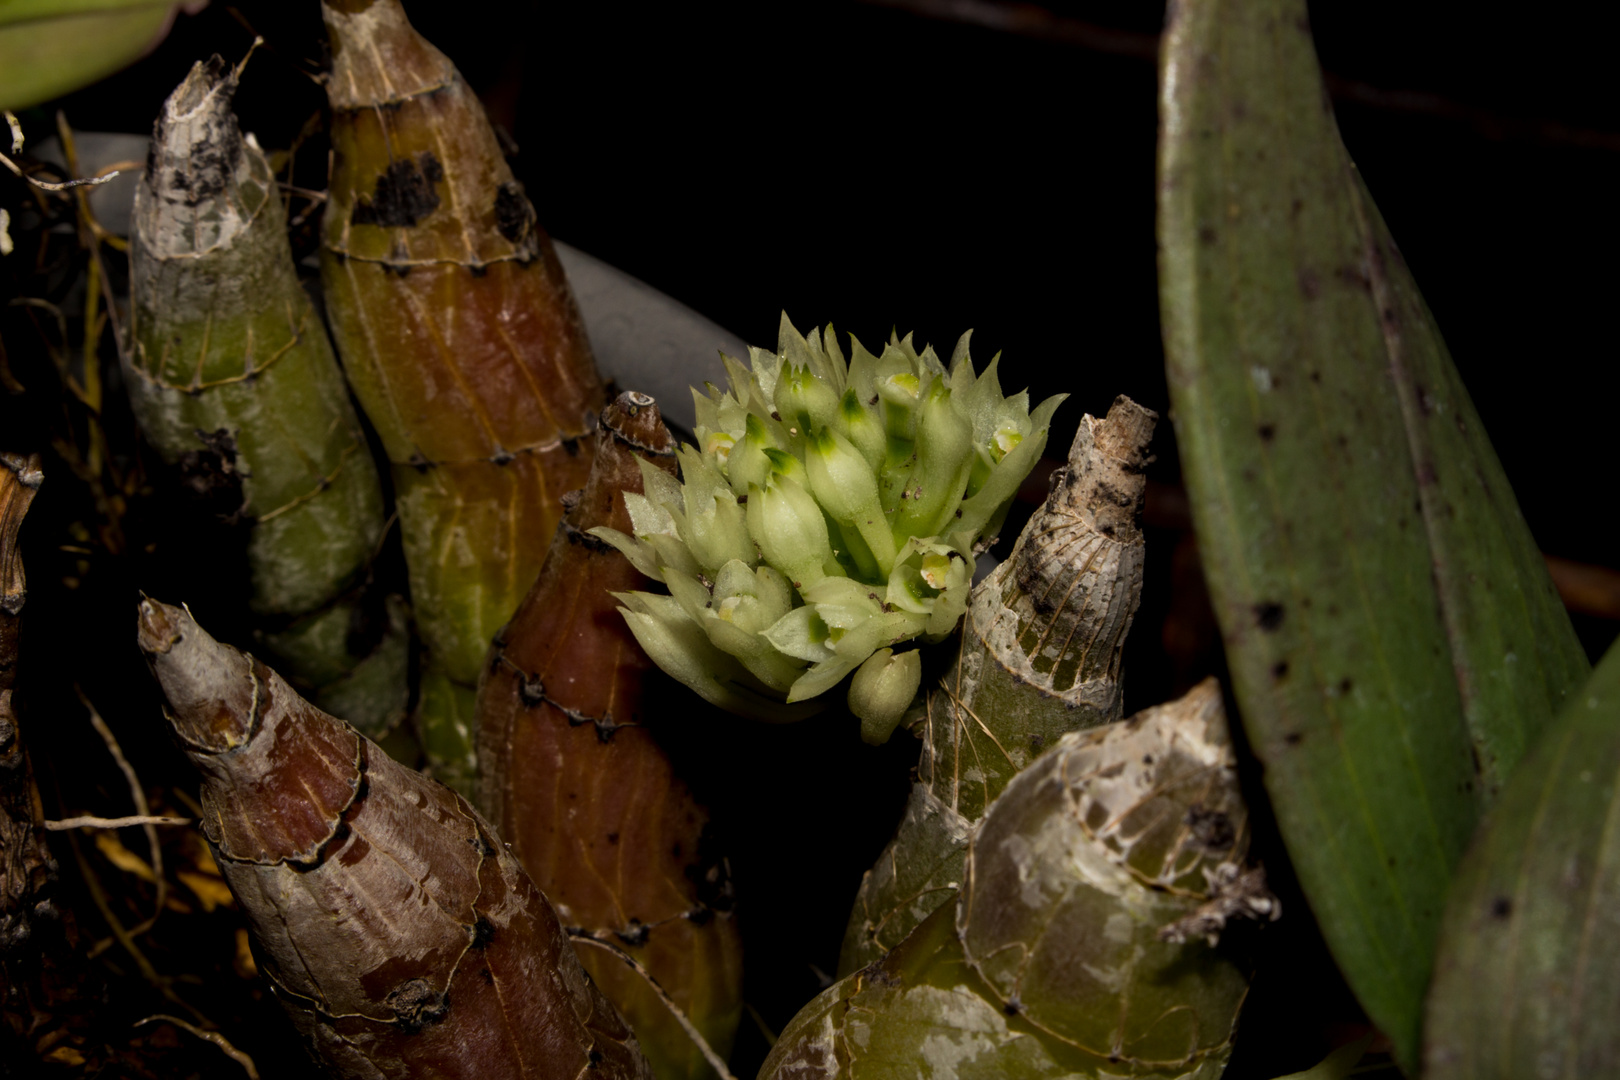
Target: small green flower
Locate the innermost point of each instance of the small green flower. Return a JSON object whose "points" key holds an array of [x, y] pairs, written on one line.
{"points": [[832, 514]]}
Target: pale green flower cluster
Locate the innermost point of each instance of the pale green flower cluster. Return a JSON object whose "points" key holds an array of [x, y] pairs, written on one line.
{"points": [[829, 514]]}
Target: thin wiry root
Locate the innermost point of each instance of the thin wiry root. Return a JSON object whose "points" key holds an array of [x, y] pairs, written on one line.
{"points": [[90, 822], [137, 794], [210, 1036]]}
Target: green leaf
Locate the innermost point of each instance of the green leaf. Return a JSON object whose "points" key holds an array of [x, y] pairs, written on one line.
{"points": [[1394, 639], [1337, 1065], [1527, 980], [49, 47]]}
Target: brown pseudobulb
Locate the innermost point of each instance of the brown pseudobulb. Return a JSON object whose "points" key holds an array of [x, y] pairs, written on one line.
{"points": [[400, 935], [579, 785]]}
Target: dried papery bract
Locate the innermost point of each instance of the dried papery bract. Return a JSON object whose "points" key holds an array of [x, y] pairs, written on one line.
{"points": [[401, 936], [25, 861], [579, 785], [234, 383], [462, 342], [1039, 656], [1082, 943]]}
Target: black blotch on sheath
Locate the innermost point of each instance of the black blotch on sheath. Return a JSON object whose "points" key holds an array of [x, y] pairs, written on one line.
{"points": [[405, 193], [514, 216]]}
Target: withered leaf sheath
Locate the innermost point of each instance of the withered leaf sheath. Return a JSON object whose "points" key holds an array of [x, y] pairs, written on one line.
{"points": [[25, 861], [1039, 656], [1081, 944], [401, 936], [233, 381], [582, 790], [461, 339]]}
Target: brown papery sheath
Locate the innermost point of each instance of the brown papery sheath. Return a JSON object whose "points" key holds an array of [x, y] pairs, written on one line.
{"points": [[400, 935], [582, 790]]}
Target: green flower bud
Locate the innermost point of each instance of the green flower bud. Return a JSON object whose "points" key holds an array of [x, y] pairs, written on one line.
{"points": [[791, 533], [746, 463], [882, 690], [855, 422], [785, 465], [898, 396], [944, 460], [804, 401], [846, 488], [716, 525]]}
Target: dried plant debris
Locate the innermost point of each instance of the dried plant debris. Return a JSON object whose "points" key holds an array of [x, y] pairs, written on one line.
{"points": [[1039, 656], [399, 933], [1052, 960], [234, 384], [462, 342], [25, 861], [577, 782]]}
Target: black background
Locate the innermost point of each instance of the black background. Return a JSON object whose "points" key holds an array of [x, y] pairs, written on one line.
{"points": [[878, 167]]}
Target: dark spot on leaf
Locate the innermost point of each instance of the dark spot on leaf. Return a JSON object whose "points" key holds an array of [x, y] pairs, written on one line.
{"points": [[1501, 907], [1268, 615], [1279, 670], [1267, 432], [1013, 1007], [613, 838], [594, 1057], [1294, 738], [405, 193], [483, 933], [1344, 686], [1207, 235]]}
